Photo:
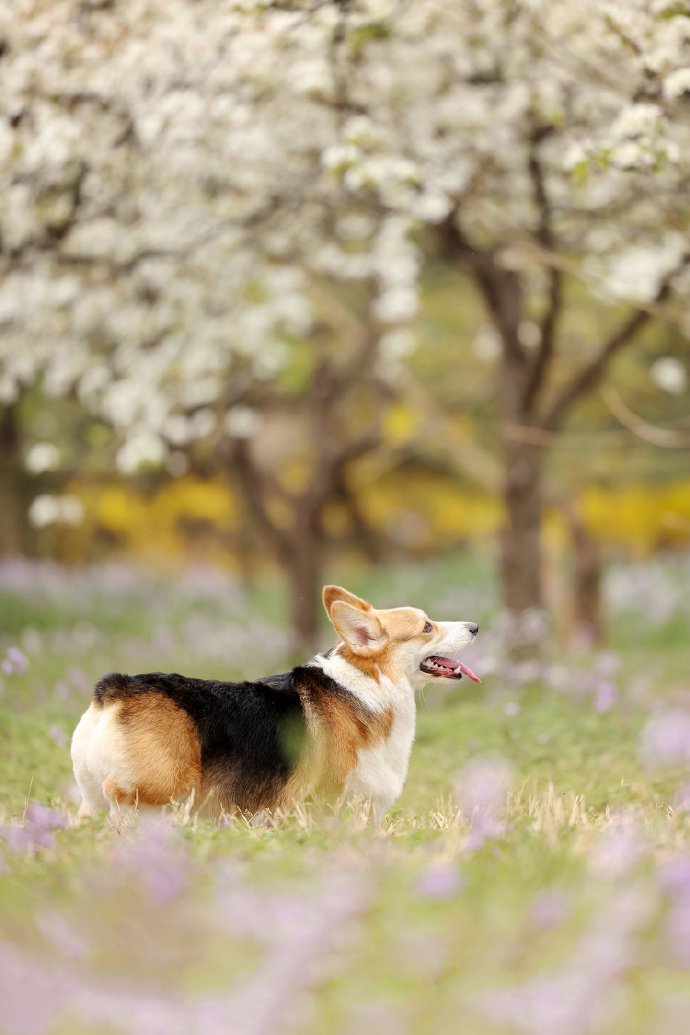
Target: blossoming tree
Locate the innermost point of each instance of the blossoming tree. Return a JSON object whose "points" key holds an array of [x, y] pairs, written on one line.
{"points": [[549, 143], [203, 200]]}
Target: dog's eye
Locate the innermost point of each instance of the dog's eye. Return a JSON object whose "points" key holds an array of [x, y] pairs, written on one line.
{"points": [[428, 626]]}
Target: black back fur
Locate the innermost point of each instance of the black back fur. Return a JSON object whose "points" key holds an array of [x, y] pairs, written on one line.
{"points": [[252, 734]]}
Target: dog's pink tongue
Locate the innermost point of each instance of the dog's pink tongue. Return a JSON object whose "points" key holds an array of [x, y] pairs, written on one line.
{"points": [[467, 671]]}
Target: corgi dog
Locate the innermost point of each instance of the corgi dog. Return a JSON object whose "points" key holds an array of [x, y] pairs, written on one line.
{"points": [[339, 726]]}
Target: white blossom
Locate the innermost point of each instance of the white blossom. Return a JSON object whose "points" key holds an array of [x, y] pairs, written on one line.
{"points": [[670, 375], [486, 345], [677, 84], [242, 422], [186, 185], [56, 510], [41, 457], [142, 449]]}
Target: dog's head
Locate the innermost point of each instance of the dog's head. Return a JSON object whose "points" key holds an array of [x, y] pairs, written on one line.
{"points": [[398, 641]]}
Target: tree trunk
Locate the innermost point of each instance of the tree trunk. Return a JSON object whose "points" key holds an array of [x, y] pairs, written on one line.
{"points": [[523, 462], [304, 570], [521, 547], [304, 565], [587, 610], [13, 489]]}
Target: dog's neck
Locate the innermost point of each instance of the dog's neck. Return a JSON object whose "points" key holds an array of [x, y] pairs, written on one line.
{"points": [[376, 694]]}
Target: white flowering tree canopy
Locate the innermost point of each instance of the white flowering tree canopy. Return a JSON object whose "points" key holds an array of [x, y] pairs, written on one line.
{"points": [[188, 187]]}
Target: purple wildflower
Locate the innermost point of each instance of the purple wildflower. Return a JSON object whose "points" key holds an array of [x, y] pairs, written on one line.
{"points": [[32, 995], [42, 817], [439, 881], [678, 929], [35, 831], [14, 662], [617, 851], [666, 738], [606, 696], [157, 854], [675, 875], [305, 938], [681, 801], [58, 735], [61, 935], [483, 827], [18, 659], [483, 784], [549, 909], [675, 880], [576, 998]]}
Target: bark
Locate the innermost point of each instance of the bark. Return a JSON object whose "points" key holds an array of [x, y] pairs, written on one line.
{"points": [[587, 610], [305, 585], [304, 568], [523, 462], [13, 488], [521, 546]]}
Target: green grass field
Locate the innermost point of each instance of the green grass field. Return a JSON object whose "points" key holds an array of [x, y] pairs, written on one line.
{"points": [[534, 877]]}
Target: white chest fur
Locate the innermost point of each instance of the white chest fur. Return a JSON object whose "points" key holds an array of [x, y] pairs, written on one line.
{"points": [[380, 772]]}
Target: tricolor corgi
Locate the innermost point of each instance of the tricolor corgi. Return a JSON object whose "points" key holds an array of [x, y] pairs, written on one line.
{"points": [[340, 726]]}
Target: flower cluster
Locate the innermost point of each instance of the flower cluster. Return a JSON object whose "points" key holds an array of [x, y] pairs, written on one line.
{"points": [[188, 193]]}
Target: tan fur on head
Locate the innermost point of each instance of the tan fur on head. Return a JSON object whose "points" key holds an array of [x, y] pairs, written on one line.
{"points": [[368, 635]]}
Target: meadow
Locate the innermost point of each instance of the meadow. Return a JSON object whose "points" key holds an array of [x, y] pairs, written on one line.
{"points": [[534, 876]]}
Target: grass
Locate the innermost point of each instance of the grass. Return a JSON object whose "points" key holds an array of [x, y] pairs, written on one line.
{"points": [[534, 876]]}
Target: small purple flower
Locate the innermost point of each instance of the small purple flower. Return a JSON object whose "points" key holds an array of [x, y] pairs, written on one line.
{"points": [[158, 855], [666, 738], [617, 851], [439, 881], [19, 660], [678, 929], [14, 662], [681, 801], [58, 735], [675, 875], [61, 934], [42, 817], [606, 696], [484, 827], [483, 784], [36, 830], [608, 664], [549, 909]]}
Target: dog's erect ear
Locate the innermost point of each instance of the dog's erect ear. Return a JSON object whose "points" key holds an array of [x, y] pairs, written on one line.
{"points": [[333, 593], [361, 630]]}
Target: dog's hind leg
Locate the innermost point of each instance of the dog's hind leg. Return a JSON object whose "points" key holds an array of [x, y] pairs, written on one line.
{"points": [[93, 801]]}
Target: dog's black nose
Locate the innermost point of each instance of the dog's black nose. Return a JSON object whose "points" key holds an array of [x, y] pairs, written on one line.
{"points": [[473, 628]]}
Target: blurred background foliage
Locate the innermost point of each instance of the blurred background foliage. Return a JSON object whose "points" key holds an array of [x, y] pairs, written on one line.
{"points": [[421, 315], [431, 486]]}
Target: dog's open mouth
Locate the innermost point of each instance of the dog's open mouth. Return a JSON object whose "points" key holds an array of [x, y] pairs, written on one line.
{"points": [[447, 668]]}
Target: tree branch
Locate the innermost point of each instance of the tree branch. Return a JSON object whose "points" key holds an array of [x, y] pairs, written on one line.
{"points": [[667, 438], [254, 493], [591, 375], [545, 236], [499, 287]]}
